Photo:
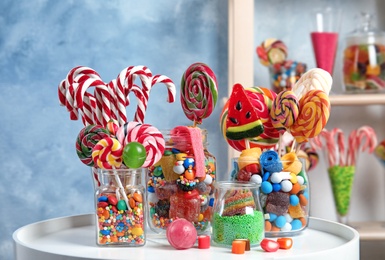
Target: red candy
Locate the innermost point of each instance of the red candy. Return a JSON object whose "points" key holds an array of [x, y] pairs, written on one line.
{"points": [[181, 234], [269, 245], [285, 242], [203, 242]]}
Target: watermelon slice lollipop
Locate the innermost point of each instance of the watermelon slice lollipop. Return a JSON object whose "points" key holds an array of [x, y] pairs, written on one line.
{"points": [[242, 119]]}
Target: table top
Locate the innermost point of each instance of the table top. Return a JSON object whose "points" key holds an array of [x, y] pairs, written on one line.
{"points": [[73, 237]]}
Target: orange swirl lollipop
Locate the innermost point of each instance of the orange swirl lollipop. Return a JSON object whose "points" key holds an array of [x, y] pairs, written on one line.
{"points": [[313, 116]]}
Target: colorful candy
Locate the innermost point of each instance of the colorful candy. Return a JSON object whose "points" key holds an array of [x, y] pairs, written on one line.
{"points": [[199, 92], [134, 155], [285, 110], [88, 137], [313, 79], [271, 51], [314, 114], [269, 245], [107, 153]]}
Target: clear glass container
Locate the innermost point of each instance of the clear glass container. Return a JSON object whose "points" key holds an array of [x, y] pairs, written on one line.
{"points": [[173, 188], [120, 208], [364, 58], [237, 213], [284, 76], [283, 193]]}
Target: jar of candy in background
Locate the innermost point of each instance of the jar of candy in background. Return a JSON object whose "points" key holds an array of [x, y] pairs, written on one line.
{"points": [[364, 58], [237, 213], [284, 191], [284, 75], [120, 208], [173, 188]]}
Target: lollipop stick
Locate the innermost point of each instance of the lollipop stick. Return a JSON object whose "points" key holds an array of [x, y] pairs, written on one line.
{"points": [[119, 183], [280, 145], [247, 143]]}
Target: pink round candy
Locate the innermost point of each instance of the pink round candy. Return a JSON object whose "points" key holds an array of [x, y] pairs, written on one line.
{"points": [[181, 234]]}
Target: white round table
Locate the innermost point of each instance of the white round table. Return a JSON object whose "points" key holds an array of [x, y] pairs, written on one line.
{"points": [[73, 237]]}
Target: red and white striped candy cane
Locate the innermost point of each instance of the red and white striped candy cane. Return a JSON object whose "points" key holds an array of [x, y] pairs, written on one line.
{"points": [[169, 84], [337, 137], [353, 146]]}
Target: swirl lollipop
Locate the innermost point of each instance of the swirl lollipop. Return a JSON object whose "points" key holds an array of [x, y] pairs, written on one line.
{"points": [[271, 51], [284, 110], [313, 116], [107, 153], [88, 137], [199, 92]]}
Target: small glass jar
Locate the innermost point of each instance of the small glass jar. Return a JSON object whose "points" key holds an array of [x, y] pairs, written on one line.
{"points": [[284, 75], [237, 213], [284, 193], [364, 58], [120, 208], [174, 190]]}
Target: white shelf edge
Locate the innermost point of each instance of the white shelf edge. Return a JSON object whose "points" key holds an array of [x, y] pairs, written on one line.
{"points": [[357, 99]]}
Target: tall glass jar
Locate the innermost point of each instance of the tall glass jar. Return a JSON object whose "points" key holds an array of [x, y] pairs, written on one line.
{"points": [[237, 213], [364, 58], [174, 189], [120, 208], [284, 192]]}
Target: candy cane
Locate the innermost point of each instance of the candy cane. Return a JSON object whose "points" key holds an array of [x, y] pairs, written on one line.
{"points": [[340, 149], [169, 84]]}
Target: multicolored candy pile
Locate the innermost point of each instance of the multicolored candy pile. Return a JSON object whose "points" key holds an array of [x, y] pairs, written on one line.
{"points": [[284, 73], [109, 142]]}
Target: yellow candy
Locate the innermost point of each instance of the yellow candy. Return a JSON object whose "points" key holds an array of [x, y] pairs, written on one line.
{"points": [[137, 231], [291, 163], [293, 178]]}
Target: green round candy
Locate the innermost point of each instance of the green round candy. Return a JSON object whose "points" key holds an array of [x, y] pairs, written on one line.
{"points": [[121, 205], [134, 155]]}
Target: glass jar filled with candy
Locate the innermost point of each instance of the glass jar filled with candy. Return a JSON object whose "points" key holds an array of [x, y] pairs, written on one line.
{"points": [[120, 212], [364, 58], [284, 189], [180, 185], [237, 213]]}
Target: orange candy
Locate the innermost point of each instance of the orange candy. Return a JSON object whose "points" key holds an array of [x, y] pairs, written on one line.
{"points": [[138, 197], [302, 200], [285, 243], [267, 225], [296, 188], [189, 174], [238, 247]]}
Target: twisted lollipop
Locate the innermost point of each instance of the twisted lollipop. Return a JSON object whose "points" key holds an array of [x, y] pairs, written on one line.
{"points": [[284, 110], [313, 79], [199, 92], [147, 135], [314, 114], [107, 153], [88, 137]]}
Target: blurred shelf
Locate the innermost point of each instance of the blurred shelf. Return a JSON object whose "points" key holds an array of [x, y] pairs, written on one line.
{"points": [[357, 99], [371, 230]]}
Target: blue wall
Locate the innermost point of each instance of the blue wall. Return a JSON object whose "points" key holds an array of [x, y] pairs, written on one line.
{"points": [[40, 41]]}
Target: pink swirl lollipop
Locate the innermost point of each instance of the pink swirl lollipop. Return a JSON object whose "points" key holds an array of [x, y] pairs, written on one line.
{"points": [[199, 92], [107, 153], [149, 136], [284, 110]]}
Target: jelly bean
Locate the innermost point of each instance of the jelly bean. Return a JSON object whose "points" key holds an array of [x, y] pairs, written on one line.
{"points": [[296, 188], [138, 197], [121, 205], [286, 186], [296, 224], [157, 171], [114, 209], [272, 217], [266, 187], [280, 221], [132, 203], [112, 200], [267, 226], [287, 227], [276, 187], [269, 245], [256, 178], [151, 189], [102, 204], [294, 200], [105, 232], [302, 200], [265, 176], [285, 242], [102, 198], [276, 177]]}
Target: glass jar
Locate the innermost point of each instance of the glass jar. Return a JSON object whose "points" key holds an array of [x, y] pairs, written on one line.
{"points": [[174, 189], [237, 213], [284, 192], [364, 58], [284, 75], [120, 212]]}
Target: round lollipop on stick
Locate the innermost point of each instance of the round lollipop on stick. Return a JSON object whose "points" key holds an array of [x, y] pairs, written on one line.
{"points": [[199, 92]]}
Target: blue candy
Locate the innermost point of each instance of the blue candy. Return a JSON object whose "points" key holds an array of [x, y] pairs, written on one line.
{"points": [[102, 198], [272, 217], [266, 187], [188, 162], [270, 161], [276, 187], [265, 176], [105, 232], [296, 224], [280, 221], [294, 200]]}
